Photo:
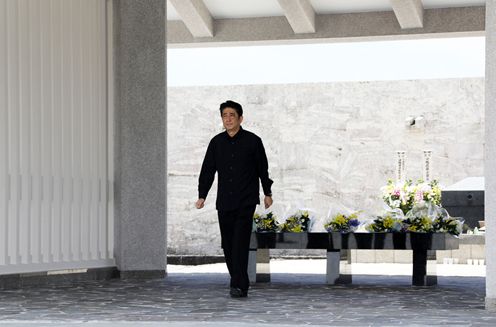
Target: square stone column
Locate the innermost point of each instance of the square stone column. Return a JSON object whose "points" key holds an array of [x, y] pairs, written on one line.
{"points": [[490, 155], [140, 137]]}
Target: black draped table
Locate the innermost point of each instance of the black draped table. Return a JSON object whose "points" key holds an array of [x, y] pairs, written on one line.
{"points": [[423, 246]]}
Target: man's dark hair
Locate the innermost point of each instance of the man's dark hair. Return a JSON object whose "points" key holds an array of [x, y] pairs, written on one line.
{"points": [[231, 104]]}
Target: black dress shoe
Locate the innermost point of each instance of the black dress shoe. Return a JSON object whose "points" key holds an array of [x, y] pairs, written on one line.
{"points": [[237, 292]]}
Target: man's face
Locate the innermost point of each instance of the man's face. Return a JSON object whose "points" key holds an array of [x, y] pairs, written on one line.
{"points": [[231, 119]]}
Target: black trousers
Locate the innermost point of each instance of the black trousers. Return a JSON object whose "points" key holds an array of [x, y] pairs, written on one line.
{"points": [[235, 230]]}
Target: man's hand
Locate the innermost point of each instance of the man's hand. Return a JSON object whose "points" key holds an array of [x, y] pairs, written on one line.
{"points": [[268, 201], [200, 203]]}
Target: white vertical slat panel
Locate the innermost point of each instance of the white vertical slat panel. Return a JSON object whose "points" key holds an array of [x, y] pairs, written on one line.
{"points": [[36, 126], [110, 130], [4, 155], [94, 139], [85, 135], [53, 128], [24, 131], [97, 140], [102, 123], [66, 131], [101, 141], [14, 146], [57, 123], [104, 127], [76, 128], [46, 136]]}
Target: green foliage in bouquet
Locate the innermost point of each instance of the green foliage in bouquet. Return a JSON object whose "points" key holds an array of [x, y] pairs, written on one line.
{"points": [[343, 223], [266, 222], [387, 223], [448, 225], [297, 223], [428, 217], [421, 224]]}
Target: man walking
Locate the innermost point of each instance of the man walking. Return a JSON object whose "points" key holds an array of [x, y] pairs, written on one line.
{"points": [[239, 158]]}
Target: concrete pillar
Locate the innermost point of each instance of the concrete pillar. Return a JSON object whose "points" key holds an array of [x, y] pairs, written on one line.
{"points": [[490, 154], [140, 137]]}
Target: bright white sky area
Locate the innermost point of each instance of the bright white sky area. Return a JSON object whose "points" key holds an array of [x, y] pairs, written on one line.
{"points": [[330, 62]]}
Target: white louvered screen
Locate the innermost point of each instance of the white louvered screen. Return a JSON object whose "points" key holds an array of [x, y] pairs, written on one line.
{"points": [[54, 200]]}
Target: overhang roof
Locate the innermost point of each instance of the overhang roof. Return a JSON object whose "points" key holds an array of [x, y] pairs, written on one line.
{"points": [[224, 9], [235, 22]]}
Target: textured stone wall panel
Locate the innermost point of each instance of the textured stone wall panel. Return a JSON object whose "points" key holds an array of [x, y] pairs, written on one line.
{"points": [[328, 144]]}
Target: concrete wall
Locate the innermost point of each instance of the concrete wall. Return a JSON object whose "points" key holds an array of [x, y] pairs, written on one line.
{"points": [[327, 144], [140, 137]]}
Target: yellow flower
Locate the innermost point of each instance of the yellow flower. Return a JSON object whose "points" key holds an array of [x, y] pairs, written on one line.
{"points": [[388, 222], [340, 219]]}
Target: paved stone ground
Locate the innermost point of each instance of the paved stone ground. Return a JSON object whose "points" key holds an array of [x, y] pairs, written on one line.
{"points": [[201, 299]]}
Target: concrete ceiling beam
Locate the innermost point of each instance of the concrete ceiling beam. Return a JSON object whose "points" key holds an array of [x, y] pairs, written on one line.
{"points": [[196, 17], [369, 26], [300, 15], [410, 13]]}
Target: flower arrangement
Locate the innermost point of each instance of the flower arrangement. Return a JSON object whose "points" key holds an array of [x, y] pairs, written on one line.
{"points": [[421, 218], [428, 217], [266, 222], [421, 224], [442, 222], [343, 223], [428, 192], [404, 195], [297, 223], [390, 221], [448, 225]]}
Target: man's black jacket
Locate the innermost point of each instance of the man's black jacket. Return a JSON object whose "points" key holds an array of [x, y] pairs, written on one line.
{"points": [[240, 162]]}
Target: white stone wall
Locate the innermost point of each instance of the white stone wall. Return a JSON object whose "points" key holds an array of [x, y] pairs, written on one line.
{"points": [[328, 144]]}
